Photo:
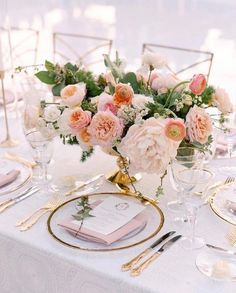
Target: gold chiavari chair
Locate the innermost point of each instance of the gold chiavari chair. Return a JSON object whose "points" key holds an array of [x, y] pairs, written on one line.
{"points": [[183, 62], [85, 50]]}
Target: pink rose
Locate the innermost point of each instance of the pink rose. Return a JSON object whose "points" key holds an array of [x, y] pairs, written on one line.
{"points": [[78, 119], [105, 102], [175, 129], [104, 128], [198, 84], [147, 146], [220, 99], [72, 95], [199, 125]]}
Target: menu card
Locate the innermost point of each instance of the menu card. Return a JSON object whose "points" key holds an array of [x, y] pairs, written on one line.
{"points": [[111, 214]]}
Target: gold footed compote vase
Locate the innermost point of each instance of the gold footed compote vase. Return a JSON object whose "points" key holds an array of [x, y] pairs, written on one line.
{"points": [[121, 176]]}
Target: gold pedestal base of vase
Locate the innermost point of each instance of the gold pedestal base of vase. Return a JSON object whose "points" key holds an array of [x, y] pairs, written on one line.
{"points": [[121, 176], [9, 143]]}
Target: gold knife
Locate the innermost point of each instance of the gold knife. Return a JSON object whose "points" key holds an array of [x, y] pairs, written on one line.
{"points": [[127, 266], [12, 201], [137, 270]]}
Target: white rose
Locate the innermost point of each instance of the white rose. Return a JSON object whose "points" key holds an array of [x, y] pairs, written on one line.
{"points": [[72, 95], [221, 100], [63, 122], [164, 82], [139, 101], [153, 59], [51, 113]]}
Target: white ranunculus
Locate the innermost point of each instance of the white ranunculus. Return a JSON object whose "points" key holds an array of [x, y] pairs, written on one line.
{"points": [[163, 82], [155, 60], [51, 113], [139, 101]]}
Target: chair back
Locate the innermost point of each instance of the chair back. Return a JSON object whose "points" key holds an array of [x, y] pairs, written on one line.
{"points": [[183, 62]]}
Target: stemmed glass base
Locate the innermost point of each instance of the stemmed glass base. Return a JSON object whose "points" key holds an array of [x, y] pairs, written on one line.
{"points": [[176, 206], [191, 244]]}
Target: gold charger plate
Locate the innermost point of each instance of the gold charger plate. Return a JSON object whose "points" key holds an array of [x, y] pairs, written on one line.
{"points": [[23, 178], [218, 203], [153, 226]]}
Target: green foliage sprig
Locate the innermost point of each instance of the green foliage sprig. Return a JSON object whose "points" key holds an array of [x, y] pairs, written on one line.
{"points": [[84, 211]]}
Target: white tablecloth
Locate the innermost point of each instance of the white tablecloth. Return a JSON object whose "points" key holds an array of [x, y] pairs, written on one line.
{"points": [[33, 262]]}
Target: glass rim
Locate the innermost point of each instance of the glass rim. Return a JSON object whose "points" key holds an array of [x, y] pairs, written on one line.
{"points": [[43, 138], [196, 169]]}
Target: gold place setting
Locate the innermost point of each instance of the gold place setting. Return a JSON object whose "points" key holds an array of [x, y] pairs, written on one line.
{"points": [[147, 121]]}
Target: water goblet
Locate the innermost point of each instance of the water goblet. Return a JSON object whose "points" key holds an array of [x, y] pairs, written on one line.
{"points": [[187, 158], [42, 150], [194, 182]]}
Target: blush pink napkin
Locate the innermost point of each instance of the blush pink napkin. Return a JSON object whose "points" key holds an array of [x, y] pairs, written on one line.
{"points": [[9, 177], [83, 233]]}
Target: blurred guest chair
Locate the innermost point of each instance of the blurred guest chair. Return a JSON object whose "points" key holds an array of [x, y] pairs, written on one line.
{"points": [[183, 62], [84, 50]]}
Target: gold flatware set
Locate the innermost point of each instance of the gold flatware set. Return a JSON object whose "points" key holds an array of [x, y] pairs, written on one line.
{"points": [[137, 270]]}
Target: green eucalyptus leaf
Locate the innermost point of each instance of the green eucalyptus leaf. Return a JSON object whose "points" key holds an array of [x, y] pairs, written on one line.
{"points": [[56, 90], [49, 65], [71, 67], [130, 78], [46, 77]]}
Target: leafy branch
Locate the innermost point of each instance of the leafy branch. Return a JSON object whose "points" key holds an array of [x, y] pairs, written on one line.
{"points": [[84, 209]]}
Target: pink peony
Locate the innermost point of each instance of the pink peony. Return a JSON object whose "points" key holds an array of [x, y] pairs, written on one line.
{"points": [[198, 84], [105, 102], [175, 129], [199, 125], [78, 119], [72, 95], [221, 100], [147, 146], [104, 128]]}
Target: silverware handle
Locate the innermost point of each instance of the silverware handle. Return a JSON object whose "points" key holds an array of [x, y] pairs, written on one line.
{"points": [[5, 202], [26, 226], [21, 222], [138, 270], [75, 189], [127, 266], [8, 204]]}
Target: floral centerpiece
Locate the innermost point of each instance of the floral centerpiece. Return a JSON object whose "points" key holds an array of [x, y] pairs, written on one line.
{"points": [[144, 115]]}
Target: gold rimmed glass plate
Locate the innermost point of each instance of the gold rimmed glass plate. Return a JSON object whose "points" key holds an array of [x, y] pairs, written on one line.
{"points": [[155, 220], [24, 176], [223, 203]]}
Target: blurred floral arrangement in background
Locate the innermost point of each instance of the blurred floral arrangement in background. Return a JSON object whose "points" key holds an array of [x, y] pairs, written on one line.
{"points": [[144, 115]]}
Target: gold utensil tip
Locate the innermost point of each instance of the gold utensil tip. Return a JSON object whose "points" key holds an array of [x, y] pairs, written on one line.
{"points": [[231, 236], [7, 205]]}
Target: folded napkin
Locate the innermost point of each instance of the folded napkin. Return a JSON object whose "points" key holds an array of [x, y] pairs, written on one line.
{"points": [[73, 226], [9, 177]]}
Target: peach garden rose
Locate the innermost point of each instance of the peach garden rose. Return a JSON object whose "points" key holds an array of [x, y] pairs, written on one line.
{"points": [[104, 128], [79, 119], [73, 95], [199, 125]]}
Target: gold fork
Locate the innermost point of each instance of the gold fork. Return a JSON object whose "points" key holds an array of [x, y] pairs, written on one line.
{"points": [[231, 236], [29, 221]]}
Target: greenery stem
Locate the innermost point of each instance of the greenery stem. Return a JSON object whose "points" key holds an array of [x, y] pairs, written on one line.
{"points": [[172, 91]]}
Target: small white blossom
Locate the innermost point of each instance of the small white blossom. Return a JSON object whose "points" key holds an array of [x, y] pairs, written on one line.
{"points": [[155, 60], [51, 113]]}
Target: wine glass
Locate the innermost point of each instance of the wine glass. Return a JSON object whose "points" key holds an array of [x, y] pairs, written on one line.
{"points": [[194, 182], [42, 150], [187, 158], [230, 133]]}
